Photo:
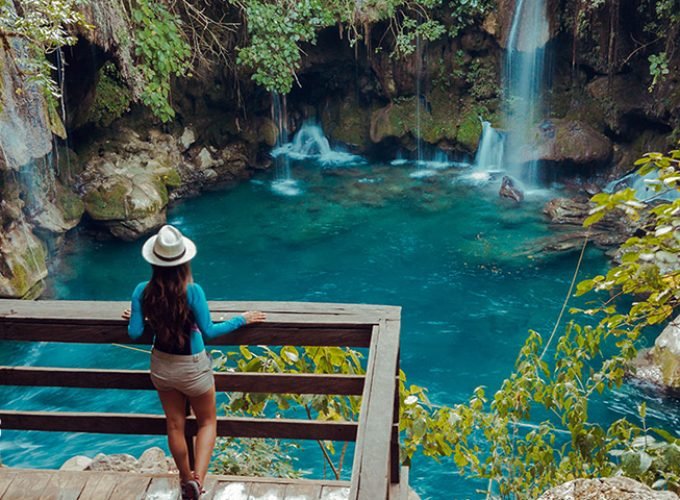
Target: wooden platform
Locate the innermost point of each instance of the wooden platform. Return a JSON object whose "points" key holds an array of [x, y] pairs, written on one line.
{"points": [[19, 484], [376, 471]]}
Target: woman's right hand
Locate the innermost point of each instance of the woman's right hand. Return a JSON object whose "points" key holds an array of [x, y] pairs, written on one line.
{"points": [[254, 316]]}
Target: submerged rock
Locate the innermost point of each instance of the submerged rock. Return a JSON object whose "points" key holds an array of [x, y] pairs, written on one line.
{"points": [[569, 214], [660, 365], [608, 488], [510, 191]]}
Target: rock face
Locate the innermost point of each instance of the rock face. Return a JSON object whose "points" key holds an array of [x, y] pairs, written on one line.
{"points": [[570, 141], [611, 488], [22, 262], [660, 365], [31, 200]]}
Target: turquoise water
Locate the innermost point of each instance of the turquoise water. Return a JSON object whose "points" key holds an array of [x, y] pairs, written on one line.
{"points": [[460, 261]]}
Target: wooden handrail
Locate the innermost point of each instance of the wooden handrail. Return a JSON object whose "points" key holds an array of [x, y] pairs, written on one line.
{"points": [[375, 473], [274, 383], [125, 423]]}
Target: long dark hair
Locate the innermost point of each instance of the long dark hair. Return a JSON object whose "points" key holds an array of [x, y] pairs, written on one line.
{"points": [[165, 305]]}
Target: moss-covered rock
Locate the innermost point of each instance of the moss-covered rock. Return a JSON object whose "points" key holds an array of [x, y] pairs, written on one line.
{"points": [[443, 117], [346, 120], [23, 260], [469, 130], [112, 97]]}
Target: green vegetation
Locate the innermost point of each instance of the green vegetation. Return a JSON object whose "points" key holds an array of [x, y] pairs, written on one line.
{"points": [[42, 27], [276, 28], [163, 52], [112, 99]]}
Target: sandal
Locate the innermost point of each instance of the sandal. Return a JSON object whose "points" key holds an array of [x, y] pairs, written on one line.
{"points": [[191, 489]]}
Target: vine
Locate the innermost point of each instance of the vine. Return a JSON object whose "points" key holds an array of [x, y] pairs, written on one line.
{"points": [[162, 51]]}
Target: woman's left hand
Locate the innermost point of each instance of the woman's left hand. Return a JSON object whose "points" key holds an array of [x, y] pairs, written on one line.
{"points": [[126, 314]]}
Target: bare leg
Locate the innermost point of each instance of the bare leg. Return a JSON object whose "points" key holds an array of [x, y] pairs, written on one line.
{"points": [[174, 406], [206, 418]]}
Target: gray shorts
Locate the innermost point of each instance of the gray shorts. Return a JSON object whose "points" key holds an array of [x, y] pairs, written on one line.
{"points": [[190, 374]]}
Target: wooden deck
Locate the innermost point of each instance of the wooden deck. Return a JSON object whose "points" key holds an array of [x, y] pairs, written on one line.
{"points": [[18, 484], [376, 473]]}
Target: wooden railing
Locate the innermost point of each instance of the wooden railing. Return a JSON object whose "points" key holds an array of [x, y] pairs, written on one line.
{"points": [[375, 472]]}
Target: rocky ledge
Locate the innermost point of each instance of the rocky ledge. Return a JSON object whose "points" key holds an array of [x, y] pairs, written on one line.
{"points": [[610, 488]]}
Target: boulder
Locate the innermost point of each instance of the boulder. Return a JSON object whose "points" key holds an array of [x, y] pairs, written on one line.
{"points": [[120, 462], [510, 191], [609, 488], [125, 186], [154, 461], [660, 365], [569, 141], [77, 463]]}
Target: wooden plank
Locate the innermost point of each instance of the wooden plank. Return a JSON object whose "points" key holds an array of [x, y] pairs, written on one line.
{"points": [[73, 331], [350, 385], [26, 486], [290, 311], [266, 491], [373, 468], [302, 492], [209, 486], [99, 486], [163, 488], [6, 478], [121, 423], [64, 485], [231, 491], [363, 413], [335, 493], [130, 487]]}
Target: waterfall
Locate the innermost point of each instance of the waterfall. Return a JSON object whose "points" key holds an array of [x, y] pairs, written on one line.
{"points": [[524, 84], [283, 183], [489, 157], [419, 71], [310, 144]]}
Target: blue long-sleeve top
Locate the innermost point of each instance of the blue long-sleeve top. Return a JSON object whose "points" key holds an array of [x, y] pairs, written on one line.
{"points": [[199, 307]]}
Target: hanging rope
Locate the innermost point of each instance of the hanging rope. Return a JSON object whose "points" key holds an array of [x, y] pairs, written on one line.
{"points": [[569, 292], [132, 348]]}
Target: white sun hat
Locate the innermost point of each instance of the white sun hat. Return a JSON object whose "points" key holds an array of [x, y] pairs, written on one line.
{"points": [[168, 248]]}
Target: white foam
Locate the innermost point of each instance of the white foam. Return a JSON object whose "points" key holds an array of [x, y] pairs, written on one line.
{"points": [[286, 187]]}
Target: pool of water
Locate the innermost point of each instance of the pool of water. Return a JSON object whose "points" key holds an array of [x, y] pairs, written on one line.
{"points": [[461, 262]]}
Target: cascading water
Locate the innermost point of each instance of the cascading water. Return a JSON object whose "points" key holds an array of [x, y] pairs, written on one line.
{"points": [[489, 157], [283, 183], [419, 71], [524, 81], [310, 144]]}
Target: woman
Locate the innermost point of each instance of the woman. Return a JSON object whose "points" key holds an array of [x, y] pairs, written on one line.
{"points": [[176, 311]]}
